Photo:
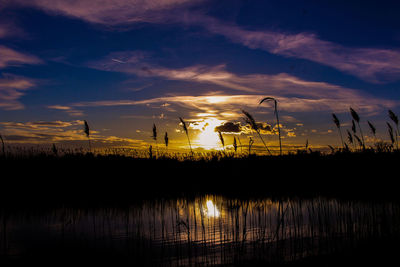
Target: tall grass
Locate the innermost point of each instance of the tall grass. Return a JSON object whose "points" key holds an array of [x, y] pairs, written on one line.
{"points": [[356, 117], [337, 123], [154, 136], [254, 126], [186, 132], [87, 132], [277, 119], [373, 129], [395, 119], [251, 142], [221, 139], [166, 140], [391, 135], [2, 145]]}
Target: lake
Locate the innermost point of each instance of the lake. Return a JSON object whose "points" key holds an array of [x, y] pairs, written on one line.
{"points": [[204, 230]]}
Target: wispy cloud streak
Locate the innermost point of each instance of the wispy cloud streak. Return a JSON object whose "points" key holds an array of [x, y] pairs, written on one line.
{"points": [[112, 12], [371, 64], [67, 132], [11, 57], [302, 95], [11, 89]]}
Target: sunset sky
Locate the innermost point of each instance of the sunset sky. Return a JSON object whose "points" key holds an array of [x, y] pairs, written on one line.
{"points": [[123, 65]]}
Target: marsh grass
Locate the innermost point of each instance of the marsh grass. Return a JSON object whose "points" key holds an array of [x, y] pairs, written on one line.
{"points": [[277, 119], [337, 123], [86, 130], [254, 126], [185, 128], [395, 119], [356, 118], [3, 149]]}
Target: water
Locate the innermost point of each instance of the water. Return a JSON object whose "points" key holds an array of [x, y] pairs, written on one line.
{"points": [[206, 230]]}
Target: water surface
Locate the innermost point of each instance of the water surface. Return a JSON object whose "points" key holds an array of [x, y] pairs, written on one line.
{"points": [[205, 230]]}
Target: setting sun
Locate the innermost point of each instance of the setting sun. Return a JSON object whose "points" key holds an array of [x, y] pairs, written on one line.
{"points": [[208, 138]]}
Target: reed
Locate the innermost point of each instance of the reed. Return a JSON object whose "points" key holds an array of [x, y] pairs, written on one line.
{"points": [[166, 140], [360, 142], [54, 149], [277, 119], [337, 123], [234, 144], [356, 117], [2, 145], [395, 119], [253, 125], [87, 132], [154, 136], [350, 138], [251, 142], [221, 139], [186, 132], [391, 135]]}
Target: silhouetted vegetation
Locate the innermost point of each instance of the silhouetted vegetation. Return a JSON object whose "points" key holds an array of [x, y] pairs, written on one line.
{"points": [[119, 206]]}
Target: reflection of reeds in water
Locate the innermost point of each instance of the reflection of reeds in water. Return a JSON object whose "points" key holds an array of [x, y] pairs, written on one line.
{"points": [[211, 230]]}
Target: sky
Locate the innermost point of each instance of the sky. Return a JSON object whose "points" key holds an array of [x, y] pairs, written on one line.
{"points": [[124, 65]]}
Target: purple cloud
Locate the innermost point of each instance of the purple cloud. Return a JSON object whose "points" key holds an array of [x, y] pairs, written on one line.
{"points": [[370, 64], [10, 57], [301, 94], [11, 89], [112, 12], [376, 65]]}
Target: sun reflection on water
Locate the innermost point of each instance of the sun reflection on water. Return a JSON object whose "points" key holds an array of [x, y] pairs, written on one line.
{"points": [[211, 209]]}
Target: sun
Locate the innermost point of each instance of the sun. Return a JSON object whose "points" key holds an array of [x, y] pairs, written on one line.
{"points": [[208, 138]]}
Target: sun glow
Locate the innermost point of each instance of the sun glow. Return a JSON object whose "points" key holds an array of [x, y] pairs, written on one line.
{"points": [[208, 138]]}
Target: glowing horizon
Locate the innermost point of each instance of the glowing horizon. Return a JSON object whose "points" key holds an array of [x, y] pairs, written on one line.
{"points": [[125, 65]]}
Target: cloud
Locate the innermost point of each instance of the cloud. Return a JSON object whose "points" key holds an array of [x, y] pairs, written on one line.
{"points": [[294, 94], [10, 57], [217, 105], [12, 88], [70, 111], [41, 125], [112, 12], [229, 127], [370, 64], [65, 132], [9, 29]]}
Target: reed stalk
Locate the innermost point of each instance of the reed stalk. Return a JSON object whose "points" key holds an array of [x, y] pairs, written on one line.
{"points": [[337, 123], [356, 117], [87, 132], [250, 120], [277, 119], [186, 132]]}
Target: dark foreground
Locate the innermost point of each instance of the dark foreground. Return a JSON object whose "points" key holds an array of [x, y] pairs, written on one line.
{"points": [[296, 210], [118, 179]]}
